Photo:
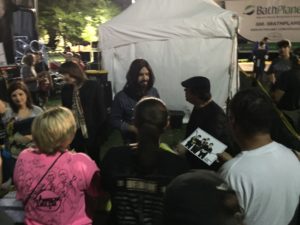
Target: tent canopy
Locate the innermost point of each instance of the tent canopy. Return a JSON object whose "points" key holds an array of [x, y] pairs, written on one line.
{"points": [[167, 19], [179, 39]]}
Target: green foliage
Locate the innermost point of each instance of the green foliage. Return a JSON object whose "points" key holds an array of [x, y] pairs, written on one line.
{"points": [[75, 21]]}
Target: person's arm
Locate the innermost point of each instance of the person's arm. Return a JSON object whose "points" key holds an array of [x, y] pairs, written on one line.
{"points": [[90, 175], [272, 78], [282, 87], [22, 139], [218, 126], [224, 157], [180, 150], [6, 112], [67, 55], [95, 188], [117, 115], [28, 137], [277, 95], [154, 93], [132, 129], [271, 73], [96, 198], [26, 74], [2, 107]]}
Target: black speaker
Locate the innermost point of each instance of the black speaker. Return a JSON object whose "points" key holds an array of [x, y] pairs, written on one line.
{"points": [[106, 90], [108, 94], [176, 118], [85, 56], [94, 66], [95, 44]]}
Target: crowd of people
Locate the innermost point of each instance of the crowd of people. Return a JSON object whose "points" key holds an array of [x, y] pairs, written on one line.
{"points": [[52, 155]]}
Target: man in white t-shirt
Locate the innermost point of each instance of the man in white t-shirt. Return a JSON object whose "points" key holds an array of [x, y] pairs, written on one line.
{"points": [[266, 174]]}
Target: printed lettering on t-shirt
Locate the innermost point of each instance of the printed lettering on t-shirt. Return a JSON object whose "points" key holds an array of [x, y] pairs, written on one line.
{"points": [[47, 201], [53, 193], [140, 185]]}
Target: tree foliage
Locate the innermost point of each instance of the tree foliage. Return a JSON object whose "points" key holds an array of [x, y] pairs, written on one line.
{"points": [[69, 19]]}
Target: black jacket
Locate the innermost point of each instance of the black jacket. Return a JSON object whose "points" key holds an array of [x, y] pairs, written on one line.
{"points": [[93, 104]]}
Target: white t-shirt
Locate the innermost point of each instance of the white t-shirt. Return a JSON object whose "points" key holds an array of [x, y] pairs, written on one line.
{"points": [[267, 183]]}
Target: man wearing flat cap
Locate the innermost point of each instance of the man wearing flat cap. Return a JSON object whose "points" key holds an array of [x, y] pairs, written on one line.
{"points": [[206, 115]]}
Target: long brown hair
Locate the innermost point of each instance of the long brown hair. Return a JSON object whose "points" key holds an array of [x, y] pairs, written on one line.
{"points": [[132, 87], [74, 71], [22, 86], [28, 59]]}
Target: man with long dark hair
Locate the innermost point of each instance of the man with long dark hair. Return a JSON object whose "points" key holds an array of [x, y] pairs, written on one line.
{"points": [[140, 80]]}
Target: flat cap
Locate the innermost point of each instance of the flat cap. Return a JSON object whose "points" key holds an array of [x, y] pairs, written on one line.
{"points": [[198, 82]]}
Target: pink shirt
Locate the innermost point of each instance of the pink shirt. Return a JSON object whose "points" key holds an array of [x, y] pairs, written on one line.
{"points": [[60, 197]]}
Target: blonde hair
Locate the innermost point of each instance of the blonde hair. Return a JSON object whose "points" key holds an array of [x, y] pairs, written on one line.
{"points": [[52, 128]]}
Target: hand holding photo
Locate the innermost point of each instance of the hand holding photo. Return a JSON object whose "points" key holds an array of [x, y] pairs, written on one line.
{"points": [[204, 146]]}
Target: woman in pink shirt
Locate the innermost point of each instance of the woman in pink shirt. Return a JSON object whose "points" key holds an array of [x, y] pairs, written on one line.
{"points": [[50, 180]]}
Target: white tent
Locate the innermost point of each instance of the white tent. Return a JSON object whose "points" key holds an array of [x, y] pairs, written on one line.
{"points": [[180, 39]]}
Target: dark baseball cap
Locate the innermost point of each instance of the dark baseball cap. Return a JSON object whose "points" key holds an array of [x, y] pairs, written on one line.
{"points": [[284, 43], [195, 198], [199, 82]]}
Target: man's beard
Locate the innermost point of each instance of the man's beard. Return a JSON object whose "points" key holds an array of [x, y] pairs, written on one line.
{"points": [[143, 85]]}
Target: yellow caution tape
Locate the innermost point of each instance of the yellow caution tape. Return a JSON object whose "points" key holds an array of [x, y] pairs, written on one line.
{"points": [[283, 118]]}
